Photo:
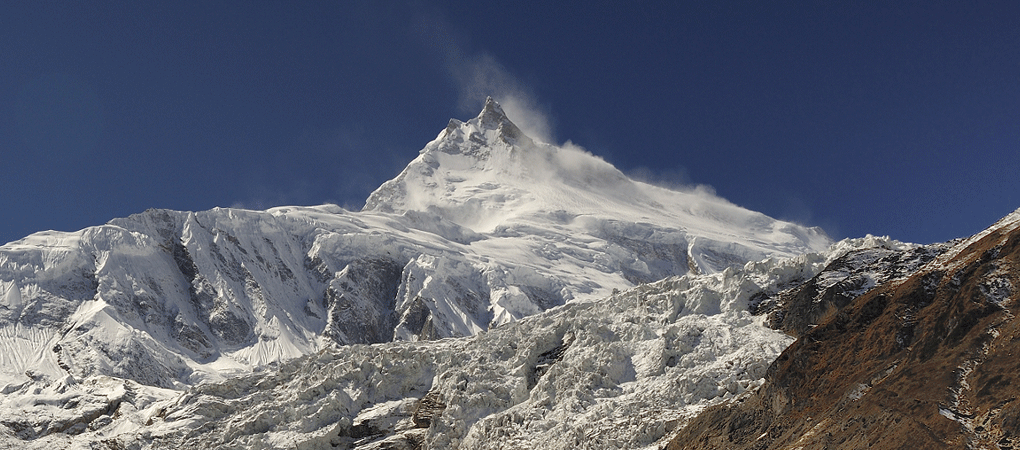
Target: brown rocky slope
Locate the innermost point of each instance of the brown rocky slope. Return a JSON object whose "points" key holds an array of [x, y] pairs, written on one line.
{"points": [[930, 360]]}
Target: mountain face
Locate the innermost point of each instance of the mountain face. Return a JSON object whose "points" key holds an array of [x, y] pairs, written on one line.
{"points": [[926, 358], [623, 371], [485, 228]]}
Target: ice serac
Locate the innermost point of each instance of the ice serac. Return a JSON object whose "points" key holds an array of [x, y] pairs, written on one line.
{"points": [[618, 372]]}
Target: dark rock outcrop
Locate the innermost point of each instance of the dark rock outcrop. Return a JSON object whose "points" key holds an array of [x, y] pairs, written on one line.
{"points": [[925, 361]]}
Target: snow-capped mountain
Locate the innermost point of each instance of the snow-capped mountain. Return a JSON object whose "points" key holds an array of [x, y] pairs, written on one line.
{"points": [[485, 228]]}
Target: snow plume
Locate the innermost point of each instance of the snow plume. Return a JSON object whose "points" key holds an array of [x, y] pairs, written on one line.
{"points": [[676, 179], [479, 75], [580, 162], [482, 76]]}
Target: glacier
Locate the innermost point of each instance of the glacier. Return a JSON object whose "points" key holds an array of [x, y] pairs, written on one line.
{"points": [[486, 236], [619, 372]]}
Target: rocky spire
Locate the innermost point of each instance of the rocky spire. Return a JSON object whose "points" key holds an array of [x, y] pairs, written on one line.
{"points": [[492, 117]]}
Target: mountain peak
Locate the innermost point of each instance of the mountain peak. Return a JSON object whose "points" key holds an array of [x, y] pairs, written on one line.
{"points": [[486, 176], [491, 105], [492, 117]]}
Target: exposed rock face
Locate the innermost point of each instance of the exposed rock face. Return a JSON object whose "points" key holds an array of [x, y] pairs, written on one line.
{"points": [[360, 301], [799, 309], [926, 361]]}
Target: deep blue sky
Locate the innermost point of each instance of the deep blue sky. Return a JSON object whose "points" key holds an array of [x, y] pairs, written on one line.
{"points": [[864, 117]]}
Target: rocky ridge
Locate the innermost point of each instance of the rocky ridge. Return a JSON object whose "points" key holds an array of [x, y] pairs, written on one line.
{"points": [[926, 359]]}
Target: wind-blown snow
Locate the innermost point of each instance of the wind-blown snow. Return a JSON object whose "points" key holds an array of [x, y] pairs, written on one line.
{"points": [[486, 175]]}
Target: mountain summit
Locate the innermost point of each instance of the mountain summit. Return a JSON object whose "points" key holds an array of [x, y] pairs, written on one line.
{"points": [[492, 117], [487, 176], [486, 171]]}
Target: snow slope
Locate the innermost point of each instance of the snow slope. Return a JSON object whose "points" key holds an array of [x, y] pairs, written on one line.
{"points": [[487, 176]]}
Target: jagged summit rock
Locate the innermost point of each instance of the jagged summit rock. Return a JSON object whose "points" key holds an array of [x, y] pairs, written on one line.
{"points": [[492, 117]]}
